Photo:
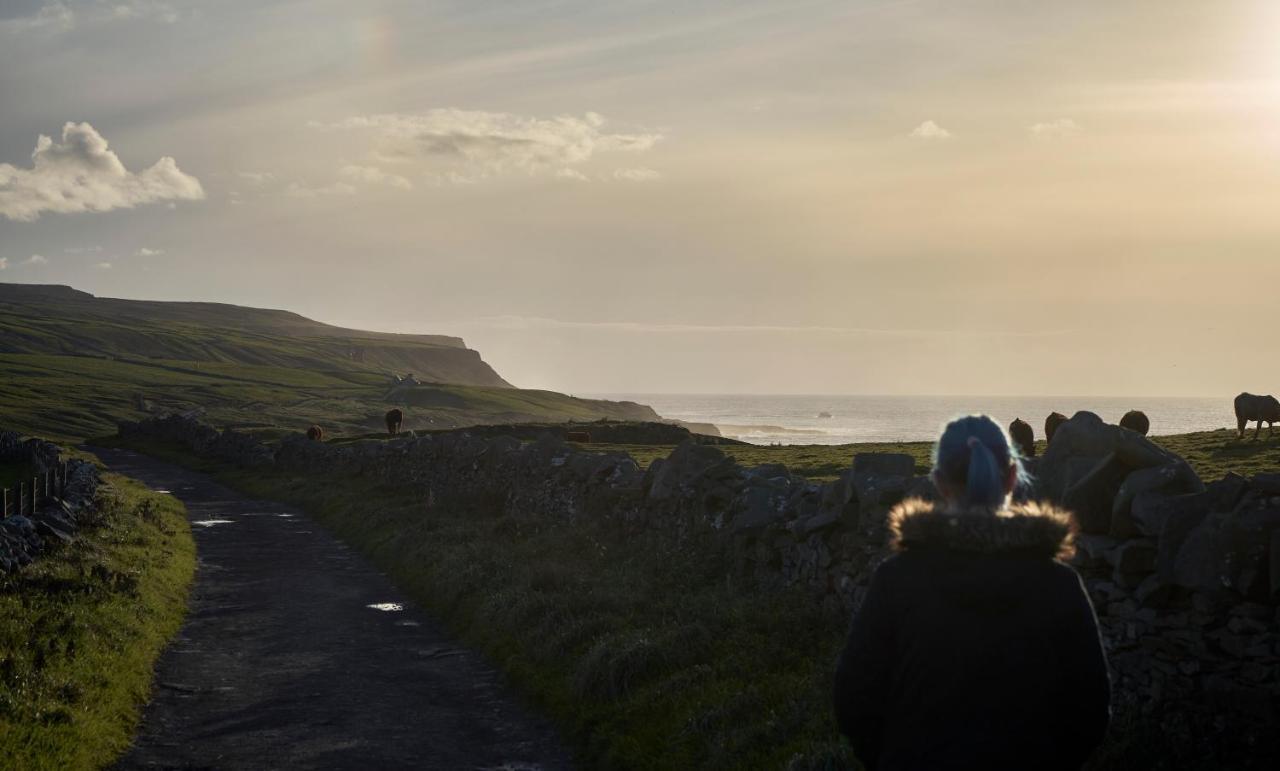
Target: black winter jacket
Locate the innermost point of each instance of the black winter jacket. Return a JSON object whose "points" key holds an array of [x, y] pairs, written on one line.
{"points": [[974, 648]]}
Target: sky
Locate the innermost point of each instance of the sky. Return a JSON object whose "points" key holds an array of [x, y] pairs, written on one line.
{"points": [[984, 198]]}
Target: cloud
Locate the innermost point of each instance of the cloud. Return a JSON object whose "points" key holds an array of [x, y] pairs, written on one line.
{"points": [[81, 174], [573, 174], [636, 175], [63, 15], [49, 16], [930, 131], [83, 249], [375, 176], [103, 266], [1055, 129], [36, 259], [471, 143], [303, 191], [145, 252], [256, 178], [4, 263]]}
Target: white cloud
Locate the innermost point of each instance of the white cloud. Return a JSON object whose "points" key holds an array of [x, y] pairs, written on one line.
{"points": [[81, 174], [1055, 129], [4, 263], [930, 131], [51, 16], [573, 174], [83, 249], [144, 9], [303, 191], [256, 178], [375, 176], [636, 175], [472, 143], [103, 266], [36, 259], [145, 252]]}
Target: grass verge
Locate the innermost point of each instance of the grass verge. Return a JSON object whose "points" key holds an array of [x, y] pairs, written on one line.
{"points": [[80, 631]]}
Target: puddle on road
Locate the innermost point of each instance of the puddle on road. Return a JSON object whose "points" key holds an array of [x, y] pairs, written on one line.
{"points": [[389, 607], [212, 522]]}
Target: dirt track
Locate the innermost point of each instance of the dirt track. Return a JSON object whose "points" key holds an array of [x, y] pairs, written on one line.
{"points": [[283, 663]]}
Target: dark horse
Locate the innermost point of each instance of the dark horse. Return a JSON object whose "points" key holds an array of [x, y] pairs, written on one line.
{"points": [[1135, 420], [394, 419], [1264, 409], [315, 434], [1024, 437], [1051, 424]]}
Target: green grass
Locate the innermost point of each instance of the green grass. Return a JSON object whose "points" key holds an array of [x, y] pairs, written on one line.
{"points": [[80, 631], [1211, 453]]}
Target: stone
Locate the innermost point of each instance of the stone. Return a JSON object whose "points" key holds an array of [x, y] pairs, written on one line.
{"points": [[1151, 510], [1153, 592], [686, 462], [1268, 484], [1094, 548], [884, 464], [1092, 498], [1173, 477], [1275, 566]]}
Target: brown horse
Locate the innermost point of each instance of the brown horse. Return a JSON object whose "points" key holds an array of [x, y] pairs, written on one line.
{"points": [[1051, 424], [1024, 437], [1136, 420], [1264, 409], [315, 434], [394, 419]]}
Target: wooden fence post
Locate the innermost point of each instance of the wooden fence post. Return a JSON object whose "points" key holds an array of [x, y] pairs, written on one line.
{"points": [[22, 498], [35, 493]]}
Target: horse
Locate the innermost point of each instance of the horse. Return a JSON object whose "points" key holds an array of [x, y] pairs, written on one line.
{"points": [[581, 437], [315, 434], [1051, 424], [1264, 409], [1024, 437], [394, 418], [1136, 420]]}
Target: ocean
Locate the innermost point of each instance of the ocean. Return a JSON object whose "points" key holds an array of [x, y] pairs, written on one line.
{"points": [[802, 419]]}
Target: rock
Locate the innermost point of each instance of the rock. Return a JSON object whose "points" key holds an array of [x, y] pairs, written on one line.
{"points": [[1094, 548], [1153, 592], [1268, 484], [1151, 510], [686, 462], [1137, 556], [1088, 469], [890, 464], [1174, 478], [1275, 565]]}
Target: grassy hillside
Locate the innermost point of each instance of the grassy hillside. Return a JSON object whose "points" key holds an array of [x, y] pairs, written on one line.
{"points": [[72, 365], [40, 319]]}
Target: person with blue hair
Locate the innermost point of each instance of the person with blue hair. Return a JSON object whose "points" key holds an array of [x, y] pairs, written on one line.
{"points": [[974, 646]]}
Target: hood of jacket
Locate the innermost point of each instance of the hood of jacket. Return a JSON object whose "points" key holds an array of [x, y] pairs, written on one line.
{"points": [[1029, 529]]}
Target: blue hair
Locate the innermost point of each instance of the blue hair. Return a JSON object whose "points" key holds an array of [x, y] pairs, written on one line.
{"points": [[973, 456]]}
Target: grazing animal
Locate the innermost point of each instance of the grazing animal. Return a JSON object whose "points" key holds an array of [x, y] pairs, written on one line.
{"points": [[1024, 437], [1264, 409], [578, 436], [1136, 420], [394, 419], [1051, 424], [315, 434]]}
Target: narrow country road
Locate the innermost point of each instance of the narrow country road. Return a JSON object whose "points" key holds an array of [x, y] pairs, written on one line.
{"points": [[296, 653]]}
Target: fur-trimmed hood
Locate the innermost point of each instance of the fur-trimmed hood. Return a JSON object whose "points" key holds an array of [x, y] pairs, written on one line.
{"points": [[1027, 528]]}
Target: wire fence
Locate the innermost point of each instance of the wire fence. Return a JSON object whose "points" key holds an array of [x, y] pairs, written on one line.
{"points": [[29, 494]]}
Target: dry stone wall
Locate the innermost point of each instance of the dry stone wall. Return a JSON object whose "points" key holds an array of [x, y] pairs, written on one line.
{"points": [[1185, 576]]}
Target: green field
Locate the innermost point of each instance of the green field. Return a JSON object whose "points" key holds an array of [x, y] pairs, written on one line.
{"points": [[1211, 453], [72, 366], [81, 628]]}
